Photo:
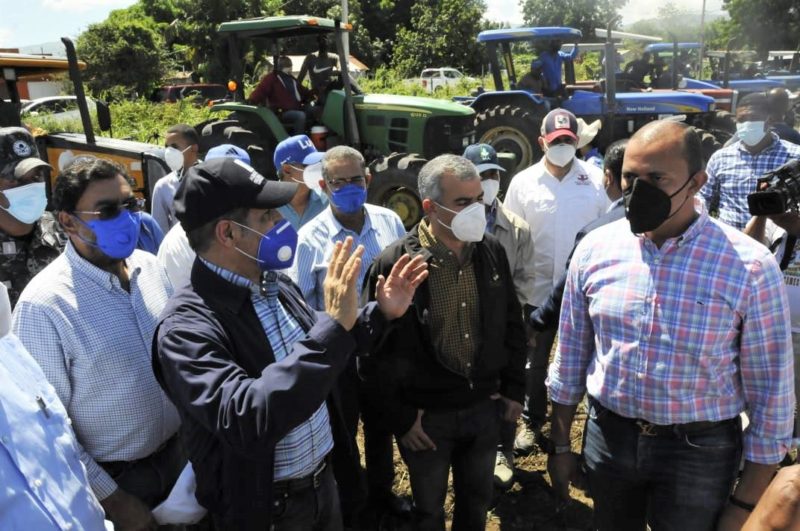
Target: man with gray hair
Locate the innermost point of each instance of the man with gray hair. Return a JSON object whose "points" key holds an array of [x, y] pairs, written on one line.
{"points": [[452, 367], [345, 179]]}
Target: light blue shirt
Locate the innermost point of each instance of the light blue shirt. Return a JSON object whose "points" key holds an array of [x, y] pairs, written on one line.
{"points": [[315, 243], [317, 202], [92, 339], [300, 452], [43, 484], [162, 208]]}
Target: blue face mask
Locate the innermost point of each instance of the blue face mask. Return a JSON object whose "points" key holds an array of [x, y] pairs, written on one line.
{"points": [[26, 203], [276, 248], [350, 198], [116, 237]]}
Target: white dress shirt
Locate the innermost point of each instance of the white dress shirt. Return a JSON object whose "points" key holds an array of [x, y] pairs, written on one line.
{"points": [[555, 210], [177, 256]]}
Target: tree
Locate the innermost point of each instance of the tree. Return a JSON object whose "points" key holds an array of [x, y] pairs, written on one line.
{"points": [[585, 15], [442, 33], [123, 55], [765, 24]]}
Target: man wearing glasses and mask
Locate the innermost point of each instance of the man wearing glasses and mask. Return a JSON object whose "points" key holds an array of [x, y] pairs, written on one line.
{"points": [[29, 237], [345, 179], [88, 319]]}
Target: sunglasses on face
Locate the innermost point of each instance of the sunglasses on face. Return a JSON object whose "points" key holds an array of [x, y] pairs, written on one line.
{"points": [[106, 212]]}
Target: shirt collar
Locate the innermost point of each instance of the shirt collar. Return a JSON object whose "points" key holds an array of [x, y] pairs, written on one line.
{"points": [[101, 277], [774, 145], [438, 249], [501, 220], [336, 228]]}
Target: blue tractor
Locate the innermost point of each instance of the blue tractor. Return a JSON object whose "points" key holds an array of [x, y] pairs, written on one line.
{"points": [[510, 119], [724, 73]]}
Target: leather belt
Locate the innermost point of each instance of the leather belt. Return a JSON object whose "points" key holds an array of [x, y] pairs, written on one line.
{"points": [[648, 429], [291, 486]]}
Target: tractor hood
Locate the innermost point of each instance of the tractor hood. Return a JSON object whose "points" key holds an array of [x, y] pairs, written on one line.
{"points": [[662, 102], [411, 104]]}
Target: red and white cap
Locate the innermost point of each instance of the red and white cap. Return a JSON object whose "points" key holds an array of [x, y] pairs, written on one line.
{"points": [[559, 122]]}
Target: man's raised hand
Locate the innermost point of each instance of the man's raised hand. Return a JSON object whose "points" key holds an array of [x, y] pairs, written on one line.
{"points": [[395, 292]]}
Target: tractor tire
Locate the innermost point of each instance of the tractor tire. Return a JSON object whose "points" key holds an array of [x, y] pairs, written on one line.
{"points": [[722, 126], [394, 186], [709, 141], [511, 129], [231, 132]]}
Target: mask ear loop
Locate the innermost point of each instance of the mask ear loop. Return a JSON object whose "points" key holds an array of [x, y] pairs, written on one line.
{"points": [[676, 193]]}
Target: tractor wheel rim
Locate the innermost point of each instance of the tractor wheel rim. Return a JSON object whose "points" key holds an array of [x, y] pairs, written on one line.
{"points": [[510, 140]]}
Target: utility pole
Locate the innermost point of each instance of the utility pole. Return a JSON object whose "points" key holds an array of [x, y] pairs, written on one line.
{"points": [[702, 40], [346, 37]]}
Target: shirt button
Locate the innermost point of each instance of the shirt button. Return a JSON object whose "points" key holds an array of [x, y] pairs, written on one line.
{"points": [[463, 304], [37, 483], [648, 300], [460, 272], [640, 375], [466, 336]]}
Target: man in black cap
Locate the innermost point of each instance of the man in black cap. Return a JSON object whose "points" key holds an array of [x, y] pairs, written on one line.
{"points": [[250, 367], [30, 238]]}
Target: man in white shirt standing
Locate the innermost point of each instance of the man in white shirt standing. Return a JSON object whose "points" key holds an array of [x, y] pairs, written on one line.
{"points": [[182, 149], [556, 196]]}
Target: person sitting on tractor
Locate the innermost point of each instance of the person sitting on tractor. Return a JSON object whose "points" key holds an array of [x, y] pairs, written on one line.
{"points": [[551, 62], [637, 69], [319, 67], [280, 91], [532, 81]]}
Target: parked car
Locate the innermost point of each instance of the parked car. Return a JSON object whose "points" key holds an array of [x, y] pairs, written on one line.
{"points": [[433, 79], [59, 108], [200, 93]]}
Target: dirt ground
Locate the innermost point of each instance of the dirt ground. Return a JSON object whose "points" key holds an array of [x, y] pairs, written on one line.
{"points": [[529, 505]]}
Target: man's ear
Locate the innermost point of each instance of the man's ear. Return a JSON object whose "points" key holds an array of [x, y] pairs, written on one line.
{"points": [[427, 205], [68, 223], [223, 233], [367, 177], [542, 145], [698, 180]]}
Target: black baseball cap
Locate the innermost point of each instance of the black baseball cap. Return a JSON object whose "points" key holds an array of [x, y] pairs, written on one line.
{"points": [[214, 187], [18, 153]]}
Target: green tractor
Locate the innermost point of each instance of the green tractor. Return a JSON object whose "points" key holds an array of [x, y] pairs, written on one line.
{"points": [[396, 134]]}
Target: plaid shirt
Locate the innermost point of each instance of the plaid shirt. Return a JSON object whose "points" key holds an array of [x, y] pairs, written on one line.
{"points": [[732, 175], [300, 452], [696, 330], [454, 310]]}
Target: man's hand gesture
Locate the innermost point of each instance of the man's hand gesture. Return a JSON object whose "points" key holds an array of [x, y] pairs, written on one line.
{"points": [[394, 294], [341, 283]]}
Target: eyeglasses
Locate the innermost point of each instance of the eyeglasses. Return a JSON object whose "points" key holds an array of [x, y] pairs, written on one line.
{"points": [[336, 184], [133, 204]]}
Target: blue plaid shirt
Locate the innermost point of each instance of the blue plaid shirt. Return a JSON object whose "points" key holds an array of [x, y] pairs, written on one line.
{"points": [[732, 175], [303, 449]]}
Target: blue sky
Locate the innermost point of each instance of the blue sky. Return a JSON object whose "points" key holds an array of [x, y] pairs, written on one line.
{"points": [[28, 22]]}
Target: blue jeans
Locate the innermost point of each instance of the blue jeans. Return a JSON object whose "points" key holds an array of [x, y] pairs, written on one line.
{"points": [[677, 481], [534, 411], [465, 439]]}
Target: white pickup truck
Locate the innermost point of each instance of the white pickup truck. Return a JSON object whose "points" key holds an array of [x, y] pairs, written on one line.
{"points": [[433, 79]]}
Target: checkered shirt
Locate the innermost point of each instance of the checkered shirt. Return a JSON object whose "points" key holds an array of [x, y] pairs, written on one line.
{"points": [[454, 313], [300, 452], [697, 330], [732, 175], [92, 339]]}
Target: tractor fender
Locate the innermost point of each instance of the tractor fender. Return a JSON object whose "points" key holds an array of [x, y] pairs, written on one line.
{"points": [[533, 103]]}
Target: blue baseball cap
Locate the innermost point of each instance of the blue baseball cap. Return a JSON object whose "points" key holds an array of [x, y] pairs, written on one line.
{"points": [[483, 156], [228, 150], [298, 148]]}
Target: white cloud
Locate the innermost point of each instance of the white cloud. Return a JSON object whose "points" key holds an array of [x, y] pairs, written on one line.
{"points": [[84, 5], [6, 37]]}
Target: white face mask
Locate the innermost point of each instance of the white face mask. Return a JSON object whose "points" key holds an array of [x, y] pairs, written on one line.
{"points": [[560, 155], [27, 202], [751, 133], [490, 189], [174, 157], [468, 225]]}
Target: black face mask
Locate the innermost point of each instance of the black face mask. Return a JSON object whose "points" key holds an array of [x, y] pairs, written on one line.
{"points": [[648, 207]]}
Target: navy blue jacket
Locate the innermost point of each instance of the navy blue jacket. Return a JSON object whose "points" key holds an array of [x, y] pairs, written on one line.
{"points": [[212, 358], [546, 316]]}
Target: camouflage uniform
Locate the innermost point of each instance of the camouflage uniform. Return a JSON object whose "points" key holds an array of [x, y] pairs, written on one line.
{"points": [[22, 258]]}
